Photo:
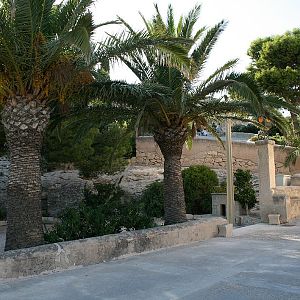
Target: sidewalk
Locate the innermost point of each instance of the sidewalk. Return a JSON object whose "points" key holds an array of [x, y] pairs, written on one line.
{"points": [[259, 262]]}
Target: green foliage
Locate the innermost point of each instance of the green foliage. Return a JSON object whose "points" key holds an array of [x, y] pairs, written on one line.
{"points": [[106, 149], [90, 167], [278, 139], [222, 188], [244, 192], [38, 46], [249, 128], [103, 213], [294, 154], [180, 93], [62, 148], [199, 183], [2, 214], [114, 145], [276, 66], [153, 199]]}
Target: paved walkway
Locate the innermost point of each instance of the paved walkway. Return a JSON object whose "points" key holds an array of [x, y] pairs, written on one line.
{"points": [[259, 262]]}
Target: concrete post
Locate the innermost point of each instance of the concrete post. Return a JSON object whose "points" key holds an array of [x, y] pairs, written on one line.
{"points": [[266, 169], [230, 187]]}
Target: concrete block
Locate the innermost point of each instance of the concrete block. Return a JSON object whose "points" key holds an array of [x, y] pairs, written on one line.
{"points": [[274, 219], [225, 230], [189, 217]]}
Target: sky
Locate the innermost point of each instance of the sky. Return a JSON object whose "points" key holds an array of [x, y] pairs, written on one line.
{"points": [[247, 21]]}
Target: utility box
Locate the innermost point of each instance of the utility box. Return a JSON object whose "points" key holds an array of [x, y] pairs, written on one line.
{"points": [[219, 202]]}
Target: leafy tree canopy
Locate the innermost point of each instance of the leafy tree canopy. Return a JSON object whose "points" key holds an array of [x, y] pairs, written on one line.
{"points": [[276, 65]]}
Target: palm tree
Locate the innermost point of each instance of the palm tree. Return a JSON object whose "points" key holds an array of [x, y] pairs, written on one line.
{"points": [[40, 47], [181, 100], [46, 57]]}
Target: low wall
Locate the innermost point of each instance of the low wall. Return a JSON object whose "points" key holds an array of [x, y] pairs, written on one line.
{"points": [[33, 261], [210, 152]]}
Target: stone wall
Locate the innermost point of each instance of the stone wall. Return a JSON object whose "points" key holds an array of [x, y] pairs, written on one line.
{"points": [[60, 189], [210, 152], [58, 256]]}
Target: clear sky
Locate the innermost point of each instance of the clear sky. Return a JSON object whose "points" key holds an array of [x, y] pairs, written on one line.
{"points": [[248, 20]]}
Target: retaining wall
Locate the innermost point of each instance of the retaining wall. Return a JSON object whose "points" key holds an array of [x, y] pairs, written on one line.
{"points": [[33, 261], [209, 152]]}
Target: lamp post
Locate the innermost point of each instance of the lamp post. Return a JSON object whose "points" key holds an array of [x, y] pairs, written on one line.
{"points": [[230, 187]]}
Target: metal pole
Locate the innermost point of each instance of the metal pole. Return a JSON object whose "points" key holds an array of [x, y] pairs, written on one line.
{"points": [[230, 188]]}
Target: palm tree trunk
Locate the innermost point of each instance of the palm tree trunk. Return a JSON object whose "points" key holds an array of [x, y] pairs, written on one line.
{"points": [[24, 123], [170, 142], [295, 122]]}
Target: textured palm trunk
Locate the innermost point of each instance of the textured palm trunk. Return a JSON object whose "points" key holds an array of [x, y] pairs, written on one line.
{"points": [[170, 142], [24, 122], [295, 122]]}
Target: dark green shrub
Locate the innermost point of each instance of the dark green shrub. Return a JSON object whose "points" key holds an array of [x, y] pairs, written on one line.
{"points": [[106, 149], [222, 188], [244, 192], [2, 214], [248, 128], [199, 183], [99, 214], [153, 199], [90, 168]]}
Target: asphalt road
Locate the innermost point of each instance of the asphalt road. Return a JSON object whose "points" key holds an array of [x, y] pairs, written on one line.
{"points": [[259, 262]]}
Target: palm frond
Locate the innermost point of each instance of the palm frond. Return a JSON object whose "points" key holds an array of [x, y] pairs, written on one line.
{"points": [[220, 74], [292, 157], [189, 22], [171, 30], [201, 53]]}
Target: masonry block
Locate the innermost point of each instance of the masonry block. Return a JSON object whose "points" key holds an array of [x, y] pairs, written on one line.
{"points": [[274, 219], [225, 230]]}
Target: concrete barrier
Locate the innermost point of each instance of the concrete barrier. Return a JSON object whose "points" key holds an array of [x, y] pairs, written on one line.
{"points": [[33, 261]]}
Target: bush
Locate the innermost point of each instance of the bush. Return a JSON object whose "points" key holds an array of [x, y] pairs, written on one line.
{"points": [[99, 214], [222, 188], [90, 168], [153, 199], [105, 149], [244, 192], [278, 139], [199, 183], [249, 128]]}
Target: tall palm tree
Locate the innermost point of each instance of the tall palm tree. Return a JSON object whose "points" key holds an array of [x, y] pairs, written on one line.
{"points": [[46, 57], [41, 45], [180, 99]]}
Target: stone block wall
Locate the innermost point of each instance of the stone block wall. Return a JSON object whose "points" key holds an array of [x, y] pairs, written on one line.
{"points": [[286, 202], [61, 190], [210, 152]]}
